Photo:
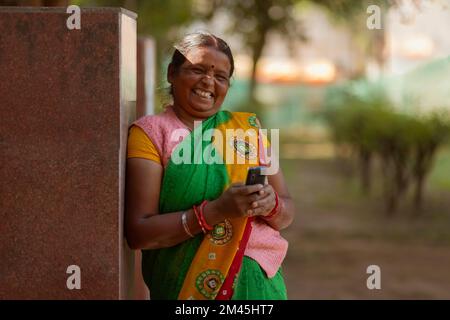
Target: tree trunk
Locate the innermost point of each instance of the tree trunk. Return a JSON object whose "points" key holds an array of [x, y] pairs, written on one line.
{"points": [[424, 160], [365, 158], [418, 193], [389, 186], [391, 204], [256, 55], [401, 177]]}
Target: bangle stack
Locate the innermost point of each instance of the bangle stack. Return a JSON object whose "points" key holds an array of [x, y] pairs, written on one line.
{"points": [[198, 210], [275, 210]]}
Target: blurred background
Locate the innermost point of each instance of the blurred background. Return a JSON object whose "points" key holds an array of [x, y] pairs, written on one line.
{"points": [[360, 91]]}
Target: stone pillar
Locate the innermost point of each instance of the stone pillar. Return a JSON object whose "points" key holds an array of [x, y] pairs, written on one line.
{"points": [[67, 98], [146, 62], [146, 66]]}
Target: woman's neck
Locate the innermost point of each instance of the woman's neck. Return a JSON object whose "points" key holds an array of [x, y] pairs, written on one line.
{"points": [[185, 117]]}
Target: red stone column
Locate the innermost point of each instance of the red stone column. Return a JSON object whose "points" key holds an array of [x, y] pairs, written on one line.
{"points": [[67, 98]]}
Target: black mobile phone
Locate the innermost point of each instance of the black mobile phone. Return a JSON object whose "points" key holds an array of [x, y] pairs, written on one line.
{"points": [[254, 176]]}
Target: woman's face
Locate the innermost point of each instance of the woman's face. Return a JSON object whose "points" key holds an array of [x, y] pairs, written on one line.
{"points": [[201, 83]]}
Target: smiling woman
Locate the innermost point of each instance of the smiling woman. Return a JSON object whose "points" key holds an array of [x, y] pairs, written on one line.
{"points": [[200, 76], [204, 234]]}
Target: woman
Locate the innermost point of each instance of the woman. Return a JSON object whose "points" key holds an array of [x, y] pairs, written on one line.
{"points": [[203, 233]]}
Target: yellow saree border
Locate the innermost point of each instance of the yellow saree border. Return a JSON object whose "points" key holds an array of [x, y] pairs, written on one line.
{"points": [[213, 259]]}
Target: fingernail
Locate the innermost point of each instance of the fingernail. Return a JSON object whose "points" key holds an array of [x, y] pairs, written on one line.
{"points": [[254, 204], [261, 192]]}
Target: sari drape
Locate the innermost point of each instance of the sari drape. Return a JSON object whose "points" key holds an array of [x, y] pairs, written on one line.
{"points": [[206, 266]]}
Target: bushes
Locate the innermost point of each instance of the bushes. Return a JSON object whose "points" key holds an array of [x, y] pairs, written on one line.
{"points": [[404, 144]]}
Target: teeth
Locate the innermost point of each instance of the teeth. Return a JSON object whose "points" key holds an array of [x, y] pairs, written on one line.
{"points": [[203, 94]]}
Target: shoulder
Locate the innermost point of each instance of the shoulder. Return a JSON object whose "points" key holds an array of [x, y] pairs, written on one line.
{"points": [[153, 120], [160, 124], [247, 118], [242, 114]]}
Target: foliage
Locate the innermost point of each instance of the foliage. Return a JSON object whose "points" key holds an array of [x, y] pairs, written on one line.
{"points": [[253, 20], [404, 144]]}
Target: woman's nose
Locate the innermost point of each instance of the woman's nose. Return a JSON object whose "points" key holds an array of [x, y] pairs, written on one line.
{"points": [[209, 79]]}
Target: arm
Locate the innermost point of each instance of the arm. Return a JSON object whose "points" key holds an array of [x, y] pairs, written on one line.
{"points": [[145, 228], [286, 216]]}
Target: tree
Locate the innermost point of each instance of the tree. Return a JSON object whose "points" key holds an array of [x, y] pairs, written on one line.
{"points": [[253, 20], [405, 144], [429, 135], [351, 13]]}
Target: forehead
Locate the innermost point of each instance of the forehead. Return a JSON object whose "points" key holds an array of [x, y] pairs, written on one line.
{"points": [[208, 56]]}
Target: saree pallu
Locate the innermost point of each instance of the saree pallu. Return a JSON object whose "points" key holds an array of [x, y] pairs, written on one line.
{"points": [[206, 266]]}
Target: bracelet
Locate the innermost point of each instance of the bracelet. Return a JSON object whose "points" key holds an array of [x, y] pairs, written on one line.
{"points": [[275, 210], [202, 216], [198, 218], [198, 210], [185, 225]]}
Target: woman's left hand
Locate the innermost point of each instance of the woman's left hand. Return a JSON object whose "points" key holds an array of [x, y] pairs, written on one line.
{"points": [[262, 202]]}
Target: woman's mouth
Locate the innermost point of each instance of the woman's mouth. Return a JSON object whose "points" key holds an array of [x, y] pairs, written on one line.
{"points": [[203, 94]]}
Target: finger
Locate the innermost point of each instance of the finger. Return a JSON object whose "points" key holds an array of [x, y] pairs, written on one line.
{"points": [[268, 189], [237, 185], [268, 202], [256, 198], [246, 190], [235, 188], [264, 206]]}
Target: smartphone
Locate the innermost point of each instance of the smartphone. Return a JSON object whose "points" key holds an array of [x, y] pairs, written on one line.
{"points": [[254, 176]]}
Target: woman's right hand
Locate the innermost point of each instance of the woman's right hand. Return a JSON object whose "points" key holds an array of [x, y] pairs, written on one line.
{"points": [[236, 200]]}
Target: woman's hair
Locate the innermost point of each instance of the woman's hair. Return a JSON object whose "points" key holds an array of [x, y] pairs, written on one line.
{"points": [[197, 40]]}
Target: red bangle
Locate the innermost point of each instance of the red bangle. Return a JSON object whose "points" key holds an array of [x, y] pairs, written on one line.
{"points": [[198, 210], [275, 209], [202, 216], [198, 218]]}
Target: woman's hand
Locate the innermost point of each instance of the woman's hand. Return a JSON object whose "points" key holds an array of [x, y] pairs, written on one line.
{"points": [[263, 202], [240, 200]]}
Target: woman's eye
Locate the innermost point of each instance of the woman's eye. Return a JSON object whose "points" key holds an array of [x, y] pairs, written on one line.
{"points": [[197, 71], [222, 78]]}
